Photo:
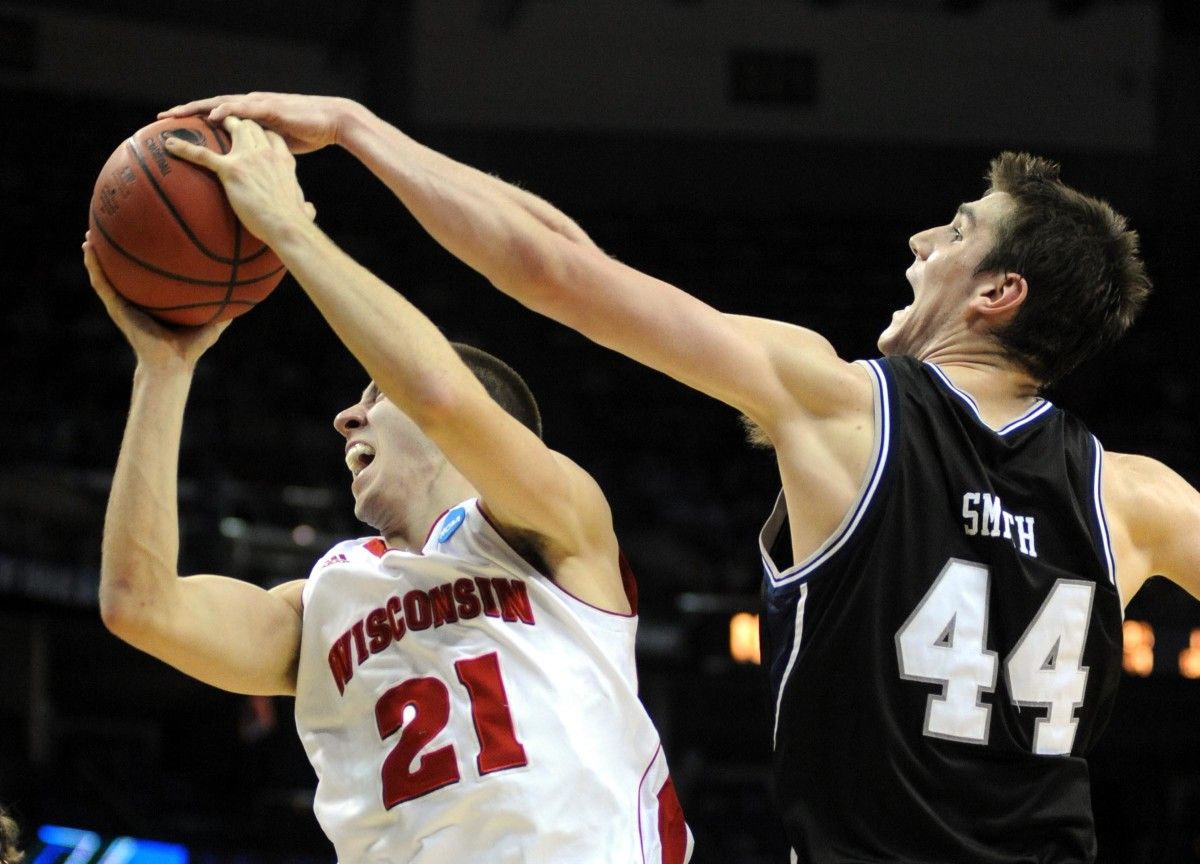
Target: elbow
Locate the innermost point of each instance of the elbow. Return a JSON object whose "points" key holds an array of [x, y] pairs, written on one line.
{"points": [[122, 612], [539, 273], [440, 400], [117, 615]]}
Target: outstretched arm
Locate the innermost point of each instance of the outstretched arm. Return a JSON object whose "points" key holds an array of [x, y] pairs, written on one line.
{"points": [[309, 123], [225, 632], [526, 487], [528, 249]]}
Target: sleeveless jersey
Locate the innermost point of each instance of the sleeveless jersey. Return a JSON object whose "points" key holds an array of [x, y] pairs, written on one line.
{"points": [[941, 664], [458, 706]]}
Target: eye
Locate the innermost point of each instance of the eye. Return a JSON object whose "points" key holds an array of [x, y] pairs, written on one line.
{"points": [[957, 232]]}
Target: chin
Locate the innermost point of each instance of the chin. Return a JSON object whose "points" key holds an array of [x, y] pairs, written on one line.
{"points": [[362, 512]]}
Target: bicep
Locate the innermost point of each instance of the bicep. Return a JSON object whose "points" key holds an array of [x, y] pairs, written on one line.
{"points": [[652, 322], [229, 633], [762, 368]]}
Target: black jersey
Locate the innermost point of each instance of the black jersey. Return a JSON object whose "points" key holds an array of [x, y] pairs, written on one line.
{"points": [[941, 664]]}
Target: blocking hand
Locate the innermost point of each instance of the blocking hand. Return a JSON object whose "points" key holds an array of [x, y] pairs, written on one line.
{"points": [[305, 123]]}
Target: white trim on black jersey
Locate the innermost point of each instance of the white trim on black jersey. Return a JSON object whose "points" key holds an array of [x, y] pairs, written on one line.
{"points": [[797, 633], [883, 434], [1110, 563], [1040, 405]]}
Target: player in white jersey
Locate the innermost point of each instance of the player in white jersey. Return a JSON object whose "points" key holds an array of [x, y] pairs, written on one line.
{"points": [[466, 692], [537, 747]]}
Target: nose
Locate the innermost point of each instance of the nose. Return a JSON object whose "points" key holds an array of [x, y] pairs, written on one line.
{"points": [[349, 419], [919, 244]]}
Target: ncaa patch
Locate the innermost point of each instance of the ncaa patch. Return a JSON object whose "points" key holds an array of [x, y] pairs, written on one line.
{"points": [[453, 521]]}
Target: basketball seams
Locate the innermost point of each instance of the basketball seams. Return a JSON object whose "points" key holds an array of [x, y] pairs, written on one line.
{"points": [[136, 151], [177, 222], [237, 301], [178, 277], [233, 271], [219, 135]]}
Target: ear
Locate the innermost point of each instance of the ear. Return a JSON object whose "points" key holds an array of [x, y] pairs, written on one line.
{"points": [[1000, 304]]}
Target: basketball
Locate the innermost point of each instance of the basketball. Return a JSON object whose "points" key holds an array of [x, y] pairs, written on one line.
{"points": [[166, 236]]}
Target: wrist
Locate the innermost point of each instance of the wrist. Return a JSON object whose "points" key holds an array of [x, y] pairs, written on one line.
{"points": [[293, 239], [164, 368], [351, 119]]}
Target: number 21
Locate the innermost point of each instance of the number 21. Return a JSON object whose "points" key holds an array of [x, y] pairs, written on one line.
{"points": [[426, 701]]}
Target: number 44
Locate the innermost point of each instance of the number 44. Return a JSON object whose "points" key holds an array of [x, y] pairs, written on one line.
{"points": [[944, 641]]}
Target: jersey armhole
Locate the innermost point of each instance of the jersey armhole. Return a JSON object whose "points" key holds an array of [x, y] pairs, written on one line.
{"points": [[628, 581], [883, 394]]}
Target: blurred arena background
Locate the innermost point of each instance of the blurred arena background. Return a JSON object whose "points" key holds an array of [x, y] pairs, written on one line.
{"points": [[771, 156]]}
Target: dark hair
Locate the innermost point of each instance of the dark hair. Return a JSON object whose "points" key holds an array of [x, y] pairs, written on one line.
{"points": [[503, 384], [10, 836], [1086, 281]]}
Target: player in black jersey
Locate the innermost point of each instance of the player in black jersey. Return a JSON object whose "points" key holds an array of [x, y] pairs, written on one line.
{"points": [[943, 604]]}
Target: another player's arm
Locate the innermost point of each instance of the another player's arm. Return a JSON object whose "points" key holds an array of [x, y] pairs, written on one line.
{"points": [[526, 487], [225, 632], [538, 256], [532, 251], [308, 123], [1154, 516]]}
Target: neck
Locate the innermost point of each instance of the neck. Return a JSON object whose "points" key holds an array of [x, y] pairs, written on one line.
{"points": [[983, 369], [445, 489], [1002, 390], [988, 380]]}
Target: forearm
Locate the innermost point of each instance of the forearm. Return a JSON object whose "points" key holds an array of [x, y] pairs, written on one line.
{"points": [[399, 347], [141, 526], [389, 154]]}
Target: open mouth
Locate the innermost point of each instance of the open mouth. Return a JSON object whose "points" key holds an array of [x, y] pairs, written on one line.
{"points": [[359, 456]]}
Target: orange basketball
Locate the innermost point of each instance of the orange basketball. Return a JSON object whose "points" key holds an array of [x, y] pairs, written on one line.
{"points": [[166, 236]]}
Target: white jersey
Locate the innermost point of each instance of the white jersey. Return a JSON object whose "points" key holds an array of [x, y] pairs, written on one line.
{"points": [[458, 706]]}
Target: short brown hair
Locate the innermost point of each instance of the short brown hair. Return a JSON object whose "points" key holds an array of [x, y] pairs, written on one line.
{"points": [[1086, 279], [503, 384]]}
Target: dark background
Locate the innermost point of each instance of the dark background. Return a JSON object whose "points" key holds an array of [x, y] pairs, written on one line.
{"points": [[805, 227]]}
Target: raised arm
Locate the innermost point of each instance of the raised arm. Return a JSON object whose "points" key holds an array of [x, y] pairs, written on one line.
{"points": [[776, 374], [1154, 517], [225, 632], [527, 488], [308, 123]]}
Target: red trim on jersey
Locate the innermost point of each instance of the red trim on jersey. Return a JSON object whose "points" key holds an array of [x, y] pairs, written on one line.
{"points": [[628, 581], [583, 602], [672, 831], [429, 533]]}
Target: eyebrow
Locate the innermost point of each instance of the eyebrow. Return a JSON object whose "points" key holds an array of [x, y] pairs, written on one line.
{"points": [[966, 211]]}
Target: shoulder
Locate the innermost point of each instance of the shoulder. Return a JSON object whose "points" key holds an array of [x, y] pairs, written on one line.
{"points": [[1148, 496], [1154, 514], [811, 380], [1132, 483], [291, 593]]}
